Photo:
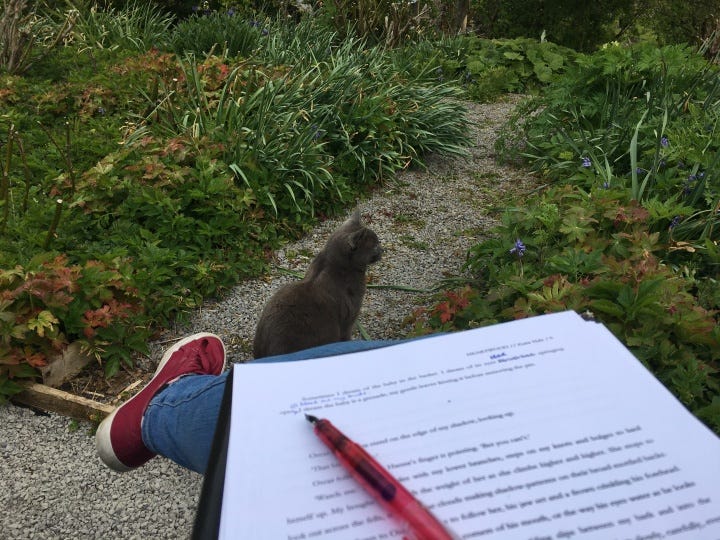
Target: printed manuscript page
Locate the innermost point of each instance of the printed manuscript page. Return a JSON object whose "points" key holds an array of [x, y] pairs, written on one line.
{"points": [[543, 428]]}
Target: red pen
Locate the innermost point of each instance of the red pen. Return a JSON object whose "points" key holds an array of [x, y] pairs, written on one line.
{"points": [[380, 483]]}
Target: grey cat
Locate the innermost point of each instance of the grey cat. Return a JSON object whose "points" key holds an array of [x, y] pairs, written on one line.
{"points": [[323, 306]]}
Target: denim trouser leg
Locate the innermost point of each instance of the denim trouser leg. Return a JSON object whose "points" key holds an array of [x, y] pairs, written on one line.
{"points": [[180, 421]]}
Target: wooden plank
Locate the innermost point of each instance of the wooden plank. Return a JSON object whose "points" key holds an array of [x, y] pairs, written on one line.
{"points": [[50, 399]]}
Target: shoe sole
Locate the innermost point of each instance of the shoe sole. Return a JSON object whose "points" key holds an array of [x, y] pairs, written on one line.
{"points": [[103, 444]]}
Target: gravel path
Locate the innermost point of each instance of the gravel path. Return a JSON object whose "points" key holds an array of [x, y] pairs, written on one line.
{"points": [[54, 486], [426, 220]]}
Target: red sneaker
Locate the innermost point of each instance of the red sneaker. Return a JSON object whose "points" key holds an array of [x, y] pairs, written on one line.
{"points": [[118, 440]]}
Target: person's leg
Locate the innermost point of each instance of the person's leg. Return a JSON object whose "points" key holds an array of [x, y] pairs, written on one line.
{"points": [[119, 440], [179, 422]]}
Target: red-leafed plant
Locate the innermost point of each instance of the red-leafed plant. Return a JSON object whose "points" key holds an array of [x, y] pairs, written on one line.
{"points": [[49, 304]]}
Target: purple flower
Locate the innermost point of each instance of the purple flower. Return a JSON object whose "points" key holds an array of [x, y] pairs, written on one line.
{"points": [[318, 133], [674, 222], [640, 170], [664, 142], [687, 186], [606, 185], [586, 162], [518, 248]]}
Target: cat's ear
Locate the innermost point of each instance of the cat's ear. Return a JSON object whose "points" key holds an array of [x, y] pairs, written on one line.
{"points": [[355, 218]]}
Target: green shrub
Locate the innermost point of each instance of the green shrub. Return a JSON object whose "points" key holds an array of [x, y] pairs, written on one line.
{"points": [[593, 252], [135, 26], [642, 119], [303, 139], [50, 303], [579, 25], [518, 66], [222, 33]]}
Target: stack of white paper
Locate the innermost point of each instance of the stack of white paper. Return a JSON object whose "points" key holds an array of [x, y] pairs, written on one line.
{"points": [[543, 428]]}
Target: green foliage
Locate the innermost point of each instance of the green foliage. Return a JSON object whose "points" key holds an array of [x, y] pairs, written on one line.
{"points": [[584, 26], [675, 21], [594, 253], [487, 68], [137, 26], [50, 303], [303, 139], [222, 33], [579, 25], [384, 21], [183, 9], [641, 118]]}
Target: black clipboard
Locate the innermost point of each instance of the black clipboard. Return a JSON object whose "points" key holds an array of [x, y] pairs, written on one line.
{"points": [[207, 517]]}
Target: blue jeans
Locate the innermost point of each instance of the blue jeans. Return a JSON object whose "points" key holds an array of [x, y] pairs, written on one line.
{"points": [[180, 421]]}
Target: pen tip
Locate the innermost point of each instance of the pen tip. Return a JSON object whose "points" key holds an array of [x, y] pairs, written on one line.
{"points": [[310, 418]]}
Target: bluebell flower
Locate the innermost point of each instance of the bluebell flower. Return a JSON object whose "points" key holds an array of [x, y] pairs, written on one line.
{"points": [[318, 132], [674, 222], [664, 141], [640, 170], [687, 186], [101, 111], [606, 185], [518, 248], [586, 162], [231, 11]]}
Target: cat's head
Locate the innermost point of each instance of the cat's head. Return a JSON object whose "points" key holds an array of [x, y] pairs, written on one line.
{"points": [[355, 243]]}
